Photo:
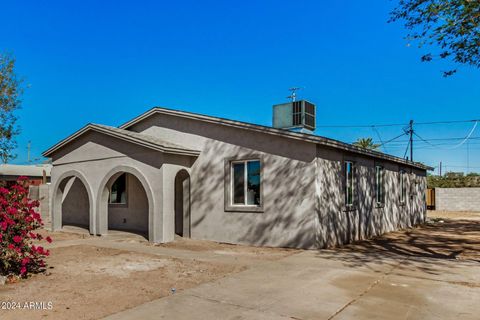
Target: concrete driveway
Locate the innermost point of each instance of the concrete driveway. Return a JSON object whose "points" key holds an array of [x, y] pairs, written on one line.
{"points": [[430, 272]]}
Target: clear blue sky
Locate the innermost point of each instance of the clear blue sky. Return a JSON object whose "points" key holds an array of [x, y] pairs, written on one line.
{"points": [[108, 61]]}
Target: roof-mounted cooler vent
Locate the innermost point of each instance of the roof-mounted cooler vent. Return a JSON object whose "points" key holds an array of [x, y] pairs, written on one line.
{"points": [[296, 116]]}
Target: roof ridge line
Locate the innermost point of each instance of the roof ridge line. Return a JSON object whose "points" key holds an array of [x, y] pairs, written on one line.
{"points": [[312, 138]]}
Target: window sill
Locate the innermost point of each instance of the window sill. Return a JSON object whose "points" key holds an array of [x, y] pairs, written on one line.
{"points": [[118, 205], [244, 209], [349, 208]]}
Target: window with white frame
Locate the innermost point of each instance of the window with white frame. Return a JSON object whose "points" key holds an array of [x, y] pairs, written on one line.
{"points": [[349, 183], [379, 185], [245, 183], [403, 186]]}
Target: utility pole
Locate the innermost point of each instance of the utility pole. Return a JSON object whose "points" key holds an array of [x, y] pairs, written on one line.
{"points": [[411, 140], [28, 150], [440, 169], [468, 156]]}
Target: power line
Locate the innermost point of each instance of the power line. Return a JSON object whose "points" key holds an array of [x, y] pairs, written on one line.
{"points": [[447, 122], [396, 124], [408, 129], [424, 140], [455, 146], [463, 167], [380, 138], [363, 125], [421, 144], [388, 141], [439, 139], [405, 154]]}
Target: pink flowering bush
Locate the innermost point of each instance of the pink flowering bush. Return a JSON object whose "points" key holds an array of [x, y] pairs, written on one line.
{"points": [[19, 255]]}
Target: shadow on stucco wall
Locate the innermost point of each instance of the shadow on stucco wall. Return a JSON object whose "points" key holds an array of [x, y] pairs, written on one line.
{"points": [[288, 200], [367, 218], [290, 211]]}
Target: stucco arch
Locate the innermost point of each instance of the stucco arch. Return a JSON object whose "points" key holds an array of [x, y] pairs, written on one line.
{"points": [[182, 204], [102, 199], [57, 199]]}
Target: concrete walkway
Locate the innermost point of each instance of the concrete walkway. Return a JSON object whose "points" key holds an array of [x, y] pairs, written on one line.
{"points": [[424, 273], [330, 285]]}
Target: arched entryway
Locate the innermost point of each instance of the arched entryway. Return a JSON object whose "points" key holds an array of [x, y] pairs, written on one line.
{"points": [[125, 203], [72, 202], [182, 204]]}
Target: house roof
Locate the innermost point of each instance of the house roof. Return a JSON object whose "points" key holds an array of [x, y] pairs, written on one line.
{"points": [[279, 132], [130, 136], [25, 170]]}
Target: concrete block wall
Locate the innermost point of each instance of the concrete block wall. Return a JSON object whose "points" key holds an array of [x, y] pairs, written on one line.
{"points": [[41, 193], [457, 199]]}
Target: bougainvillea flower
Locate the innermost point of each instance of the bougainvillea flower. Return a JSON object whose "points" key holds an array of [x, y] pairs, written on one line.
{"points": [[18, 220]]}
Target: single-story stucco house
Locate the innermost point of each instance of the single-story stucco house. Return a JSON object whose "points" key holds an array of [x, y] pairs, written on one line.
{"points": [[170, 172]]}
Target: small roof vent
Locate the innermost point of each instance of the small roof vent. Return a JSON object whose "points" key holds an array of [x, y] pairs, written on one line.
{"points": [[296, 116]]}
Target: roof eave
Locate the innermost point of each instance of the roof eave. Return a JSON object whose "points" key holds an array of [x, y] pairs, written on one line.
{"points": [[279, 132], [47, 153], [90, 127]]}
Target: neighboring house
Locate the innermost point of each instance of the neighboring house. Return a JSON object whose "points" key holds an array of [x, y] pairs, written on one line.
{"points": [[36, 174], [170, 172]]}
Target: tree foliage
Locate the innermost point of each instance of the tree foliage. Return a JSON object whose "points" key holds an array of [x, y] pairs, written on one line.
{"points": [[10, 92], [454, 180], [366, 143], [453, 26]]}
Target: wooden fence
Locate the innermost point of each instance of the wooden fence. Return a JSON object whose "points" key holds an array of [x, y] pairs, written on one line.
{"points": [[431, 199]]}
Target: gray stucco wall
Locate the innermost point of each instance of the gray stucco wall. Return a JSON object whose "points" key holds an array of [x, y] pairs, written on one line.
{"points": [[288, 217], [75, 205], [303, 191], [457, 199], [96, 158], [336, 225], [303, 188], [134, 214], [41, 193]]}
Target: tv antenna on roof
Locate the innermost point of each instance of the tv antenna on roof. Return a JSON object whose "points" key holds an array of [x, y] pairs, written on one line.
{"points": [[293, 95]]}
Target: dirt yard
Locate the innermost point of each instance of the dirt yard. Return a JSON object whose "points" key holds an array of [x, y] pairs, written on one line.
{"points": [[446, 235], [228, 249], [93, 277], [454, 215], [85, 281]]}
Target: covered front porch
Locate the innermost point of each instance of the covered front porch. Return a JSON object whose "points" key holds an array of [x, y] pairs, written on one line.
{"points": [[107, 178]]}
